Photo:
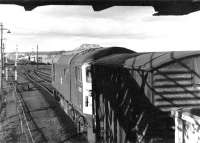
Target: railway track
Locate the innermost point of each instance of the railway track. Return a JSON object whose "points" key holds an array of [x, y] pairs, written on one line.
{"points": [[46, 85], [40, 82], [43, 75], [26, 116], [41, 119], [28, 130], [29, 126]]}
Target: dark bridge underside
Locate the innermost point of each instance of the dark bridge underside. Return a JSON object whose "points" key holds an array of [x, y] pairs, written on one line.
{"points": [[162, 7]]}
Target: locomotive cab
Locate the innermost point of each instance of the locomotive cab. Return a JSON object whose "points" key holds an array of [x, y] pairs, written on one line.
{"points": [[87, 99], [87, 88]]}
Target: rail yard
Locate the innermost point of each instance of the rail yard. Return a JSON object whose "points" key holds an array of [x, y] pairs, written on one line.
{"points": [[28, 111], [54, 91], [101, 95]]}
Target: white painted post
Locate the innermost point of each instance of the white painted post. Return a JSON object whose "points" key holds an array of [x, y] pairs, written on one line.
{"points": [[16, 58]]}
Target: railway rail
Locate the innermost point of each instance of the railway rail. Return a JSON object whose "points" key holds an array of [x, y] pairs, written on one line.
{"points": [[21, 119], [40, 117], [43, 75], [41, 81], [25, 114], [44, 85], [28, 126]]}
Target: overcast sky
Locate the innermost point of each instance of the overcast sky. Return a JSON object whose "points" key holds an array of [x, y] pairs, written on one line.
{"points": [[67, 27]]}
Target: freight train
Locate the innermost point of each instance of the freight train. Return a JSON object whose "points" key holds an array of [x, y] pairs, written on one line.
{"points": [[117, 95]]}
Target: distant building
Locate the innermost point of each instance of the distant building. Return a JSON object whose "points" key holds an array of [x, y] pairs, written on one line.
{"points": [[88, 46]]}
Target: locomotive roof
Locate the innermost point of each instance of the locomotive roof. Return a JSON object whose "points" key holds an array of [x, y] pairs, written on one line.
{"points": [[145, 61], [88, 55]]}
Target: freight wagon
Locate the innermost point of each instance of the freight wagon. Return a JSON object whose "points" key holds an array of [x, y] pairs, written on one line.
{"points": [[133, 95]]}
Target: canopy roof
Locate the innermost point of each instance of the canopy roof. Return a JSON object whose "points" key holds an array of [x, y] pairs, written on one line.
{"points": [[145, 61]]}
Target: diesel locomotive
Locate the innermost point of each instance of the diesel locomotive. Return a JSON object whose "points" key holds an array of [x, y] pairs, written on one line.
{"points": [[71, 77]]}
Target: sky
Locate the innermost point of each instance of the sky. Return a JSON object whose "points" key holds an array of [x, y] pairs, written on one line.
{"points": [[68, 27]]}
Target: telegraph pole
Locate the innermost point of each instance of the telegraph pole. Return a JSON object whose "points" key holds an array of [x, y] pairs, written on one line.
{"points": [[1, 68], [37, 57], [16, 60], [3, 59], [2, 54]]}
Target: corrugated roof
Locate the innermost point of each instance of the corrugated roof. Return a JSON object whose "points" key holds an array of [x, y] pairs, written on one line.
{"points": [[145, 61]]}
